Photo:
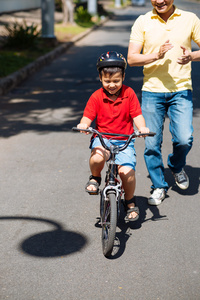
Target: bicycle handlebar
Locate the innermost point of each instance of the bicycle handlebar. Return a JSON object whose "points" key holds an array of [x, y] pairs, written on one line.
{"points": [[100, 135]]}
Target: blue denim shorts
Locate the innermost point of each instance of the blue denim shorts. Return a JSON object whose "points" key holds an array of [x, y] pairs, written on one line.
{"points": [[126, 157]]}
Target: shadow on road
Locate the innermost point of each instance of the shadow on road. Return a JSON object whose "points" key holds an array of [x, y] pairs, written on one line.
{"points": [[194, 176], [53, 100], [49, 244], [126, 228]]}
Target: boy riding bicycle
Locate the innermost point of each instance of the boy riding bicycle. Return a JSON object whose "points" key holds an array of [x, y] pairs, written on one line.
{"points": [[115, 107]]}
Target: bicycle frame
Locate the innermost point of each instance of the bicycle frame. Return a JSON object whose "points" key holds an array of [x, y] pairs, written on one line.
{"points": [[111, 181], [110, 199]]}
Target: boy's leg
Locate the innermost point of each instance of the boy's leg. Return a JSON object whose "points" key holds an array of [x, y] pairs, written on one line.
{"points": [[127, 176], [97, 160]]}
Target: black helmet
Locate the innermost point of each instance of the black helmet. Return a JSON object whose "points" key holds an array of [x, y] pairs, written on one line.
{"points": [[111, 59]]}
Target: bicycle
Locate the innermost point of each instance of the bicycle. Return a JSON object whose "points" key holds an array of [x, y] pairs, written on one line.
{"points": [[110, 195]]}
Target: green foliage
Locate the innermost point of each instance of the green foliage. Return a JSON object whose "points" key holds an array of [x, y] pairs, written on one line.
{"points": [[82, 15], [21, 36], [11, 62]]}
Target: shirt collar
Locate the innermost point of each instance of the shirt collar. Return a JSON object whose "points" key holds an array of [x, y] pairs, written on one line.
{"points": [[119, 98]]}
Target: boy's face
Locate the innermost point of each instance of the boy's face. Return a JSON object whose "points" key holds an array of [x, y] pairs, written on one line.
{"points": [[112, 83]]}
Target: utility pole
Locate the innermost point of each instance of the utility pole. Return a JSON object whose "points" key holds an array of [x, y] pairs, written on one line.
{"points": [[48, 8]]}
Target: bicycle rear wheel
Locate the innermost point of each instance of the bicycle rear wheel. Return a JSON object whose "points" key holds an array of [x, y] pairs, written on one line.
{"points": [[109, 223]]}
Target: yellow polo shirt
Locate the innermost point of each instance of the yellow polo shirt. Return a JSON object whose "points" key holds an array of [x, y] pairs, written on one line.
{"points": [[151, 31]]}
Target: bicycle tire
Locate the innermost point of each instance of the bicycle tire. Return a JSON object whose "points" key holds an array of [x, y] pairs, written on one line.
{"points": [[109, 223], [101, 204]]}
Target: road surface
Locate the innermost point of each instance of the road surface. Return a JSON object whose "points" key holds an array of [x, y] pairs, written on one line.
{"points": [[50, 238]]}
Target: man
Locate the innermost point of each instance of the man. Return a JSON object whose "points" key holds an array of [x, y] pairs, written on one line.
{"points": [[164, 34]]}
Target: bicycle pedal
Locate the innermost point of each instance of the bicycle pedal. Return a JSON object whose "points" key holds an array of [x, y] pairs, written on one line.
{"points": [[96, 193]]}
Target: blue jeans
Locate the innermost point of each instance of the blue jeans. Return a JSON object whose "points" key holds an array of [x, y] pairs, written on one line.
{"points": [[179, 108]]}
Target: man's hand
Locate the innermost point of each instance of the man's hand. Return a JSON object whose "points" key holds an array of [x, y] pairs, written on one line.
{"points": [[185, 58], [164, 48]]}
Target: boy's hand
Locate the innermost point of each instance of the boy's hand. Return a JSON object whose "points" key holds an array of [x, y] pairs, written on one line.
{"points": [[83, 126], [144, 130]]}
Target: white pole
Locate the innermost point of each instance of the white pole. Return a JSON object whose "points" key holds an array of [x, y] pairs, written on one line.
{"points": [[117, 3], [92, 7], [48, 8]]}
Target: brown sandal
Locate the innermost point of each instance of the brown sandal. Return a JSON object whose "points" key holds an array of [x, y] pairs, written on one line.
{"points": [[130, 210], [95, 183]]}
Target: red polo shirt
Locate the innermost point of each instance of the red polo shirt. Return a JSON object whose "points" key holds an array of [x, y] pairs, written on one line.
{"points": [[113, 116]]}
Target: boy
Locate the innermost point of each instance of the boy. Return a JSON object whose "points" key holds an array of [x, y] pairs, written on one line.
{"points": [[115, 107]]}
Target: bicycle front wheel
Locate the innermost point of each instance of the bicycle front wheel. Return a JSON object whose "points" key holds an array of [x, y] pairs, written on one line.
{"points": [[109, 223]]}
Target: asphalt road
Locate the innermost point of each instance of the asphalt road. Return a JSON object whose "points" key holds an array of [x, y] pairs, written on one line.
{"points": [[50, 239]]}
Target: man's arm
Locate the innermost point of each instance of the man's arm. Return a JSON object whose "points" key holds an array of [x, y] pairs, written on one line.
{"points": [[135, 58]]}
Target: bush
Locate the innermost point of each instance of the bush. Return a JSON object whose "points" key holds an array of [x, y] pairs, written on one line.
{"points": [[21, 36], [82, 15]]}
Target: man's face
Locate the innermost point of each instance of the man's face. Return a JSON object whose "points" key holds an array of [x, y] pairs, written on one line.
{"points": [[163, 6]]}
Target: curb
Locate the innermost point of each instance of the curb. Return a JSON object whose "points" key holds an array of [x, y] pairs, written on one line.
{"points": [[9, 82]]}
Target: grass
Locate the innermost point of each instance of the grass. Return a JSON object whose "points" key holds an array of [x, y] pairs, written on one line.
{"points": [[12, 60], [65, 33]]}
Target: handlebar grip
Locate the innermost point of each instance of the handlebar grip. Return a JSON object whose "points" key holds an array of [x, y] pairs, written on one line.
{"points": [[151, 134], [75, 129], [80, 129]]}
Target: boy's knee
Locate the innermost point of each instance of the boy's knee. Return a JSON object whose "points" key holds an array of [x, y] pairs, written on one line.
{"points": [[98, 155], [127, 172]]}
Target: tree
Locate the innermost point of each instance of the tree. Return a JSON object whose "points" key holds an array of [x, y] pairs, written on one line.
{"points": [[68, 11]]}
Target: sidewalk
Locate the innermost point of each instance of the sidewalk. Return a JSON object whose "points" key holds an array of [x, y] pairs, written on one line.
{"points": [[34, 16]]}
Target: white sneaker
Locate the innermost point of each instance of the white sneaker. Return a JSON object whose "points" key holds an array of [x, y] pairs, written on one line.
{"points": [[157, 196], [181, 179]]}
